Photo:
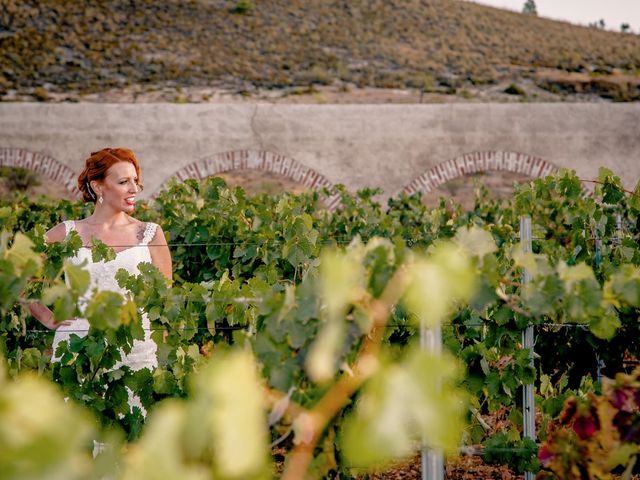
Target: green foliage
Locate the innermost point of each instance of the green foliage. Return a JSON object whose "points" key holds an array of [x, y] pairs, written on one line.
{"points": [[514, 89], [402, 406], [299, 287], [218, 433], [530, 8], [242, 7], [267, 237], [100, 251], [41, 435], [19, 178], [521, 455]]}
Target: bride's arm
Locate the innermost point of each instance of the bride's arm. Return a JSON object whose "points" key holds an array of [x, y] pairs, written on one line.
{"points": [[41, 312], [160, 255]]}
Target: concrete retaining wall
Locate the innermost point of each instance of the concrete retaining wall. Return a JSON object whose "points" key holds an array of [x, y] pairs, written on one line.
{"points": [[396, 147]]}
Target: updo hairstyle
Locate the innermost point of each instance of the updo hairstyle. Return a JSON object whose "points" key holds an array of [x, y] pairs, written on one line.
{"points": [[96, 167]]}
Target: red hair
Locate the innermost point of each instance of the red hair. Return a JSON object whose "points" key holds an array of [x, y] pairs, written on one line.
{"points": [[97, 165]]}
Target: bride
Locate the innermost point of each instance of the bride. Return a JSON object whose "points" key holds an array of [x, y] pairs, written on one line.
{"points": [[111, 180]]}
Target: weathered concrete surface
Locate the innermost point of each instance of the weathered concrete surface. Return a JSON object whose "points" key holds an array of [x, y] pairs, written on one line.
{"points": [[360, 146]]}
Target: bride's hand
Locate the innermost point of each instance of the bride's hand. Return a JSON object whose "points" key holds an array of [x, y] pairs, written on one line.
{"points": [[64, 323], [43, 314]]}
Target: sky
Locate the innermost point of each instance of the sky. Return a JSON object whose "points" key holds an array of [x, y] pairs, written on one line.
{"points": [[583, 12]]}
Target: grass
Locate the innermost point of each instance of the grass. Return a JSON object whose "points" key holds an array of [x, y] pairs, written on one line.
{"points": [[447, 44]]}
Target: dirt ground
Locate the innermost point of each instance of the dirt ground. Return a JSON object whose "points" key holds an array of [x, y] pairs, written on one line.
{"points": [[337, 93], [464, 467], [461, 468]]}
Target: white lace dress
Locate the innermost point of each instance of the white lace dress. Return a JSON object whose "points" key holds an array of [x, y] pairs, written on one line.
{"points": [[102, 275]]}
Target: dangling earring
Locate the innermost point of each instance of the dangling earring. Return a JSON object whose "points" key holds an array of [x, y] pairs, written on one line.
{"points": [[100, 199]]}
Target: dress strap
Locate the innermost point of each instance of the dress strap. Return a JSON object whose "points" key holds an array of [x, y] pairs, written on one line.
{"points": [[149, 233], [69, 226]]}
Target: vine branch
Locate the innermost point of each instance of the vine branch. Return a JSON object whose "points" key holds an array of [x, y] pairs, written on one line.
{"points": [[315, 420], [622, 189]]}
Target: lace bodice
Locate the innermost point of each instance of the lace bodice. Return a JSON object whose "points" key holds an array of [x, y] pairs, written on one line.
{"points": [[103, 274], [103, 277]]}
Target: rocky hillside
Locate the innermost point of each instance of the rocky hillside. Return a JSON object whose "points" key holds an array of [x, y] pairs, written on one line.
{"points": [[62, 50]]}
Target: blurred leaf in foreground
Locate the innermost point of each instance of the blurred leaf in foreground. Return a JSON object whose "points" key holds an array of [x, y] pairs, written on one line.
{"points": [[41, 435], [439, 282], [404, 403], [220, 432]]}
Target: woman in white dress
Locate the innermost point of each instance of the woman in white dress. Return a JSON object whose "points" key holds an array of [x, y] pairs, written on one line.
{"points": [[111, 180]]}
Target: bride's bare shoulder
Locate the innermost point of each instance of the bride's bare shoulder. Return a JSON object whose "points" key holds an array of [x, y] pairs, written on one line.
{"points": [[56, 234]]}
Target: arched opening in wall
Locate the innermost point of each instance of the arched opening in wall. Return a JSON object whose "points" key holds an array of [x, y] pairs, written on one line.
{"points": [[463, 189], [35, 174], [258, 172], [31, 183], [459, 178], [255, 182]]}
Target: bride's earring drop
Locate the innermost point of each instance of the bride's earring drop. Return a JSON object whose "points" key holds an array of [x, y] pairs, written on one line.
{"points": [[100, 199]]}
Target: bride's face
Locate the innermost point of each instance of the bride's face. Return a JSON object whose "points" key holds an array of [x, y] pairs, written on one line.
{"points": [[120, 187]]}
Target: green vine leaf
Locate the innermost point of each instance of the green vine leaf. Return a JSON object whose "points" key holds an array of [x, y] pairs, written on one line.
{"points": [[101, 251]]}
